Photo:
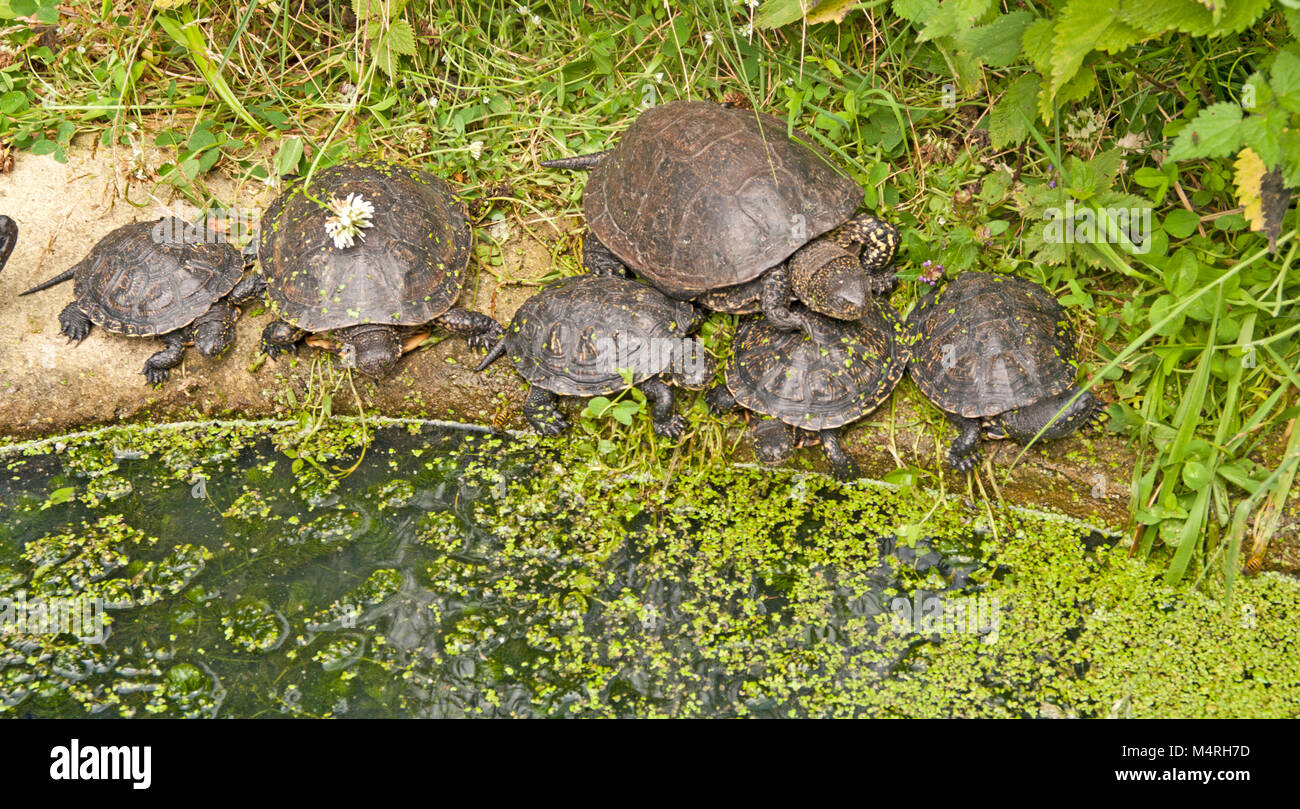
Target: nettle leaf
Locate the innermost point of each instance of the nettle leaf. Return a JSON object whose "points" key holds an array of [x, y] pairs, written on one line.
{"points": [[1076, 89], [1190, 16], [1037, 44], [401, 37], [1085, 26], [916, 11], [1214, 133], [1010, 116], [1285, 80], [831, 11], [1263, 133], [953, 17], [998, 43]]}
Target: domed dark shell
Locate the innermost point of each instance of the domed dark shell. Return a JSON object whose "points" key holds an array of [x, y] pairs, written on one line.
{"points": [[569, 337], [151, 278], [407, 270], [840, 373], [988, 343], [698, 196]]}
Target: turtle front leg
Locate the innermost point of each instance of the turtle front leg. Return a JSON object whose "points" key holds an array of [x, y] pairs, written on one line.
{"points": [[599, 260], [878, 242], [479, 330], [541, 412], [777, 296], [842, 466], [157, 368], [213, 332], [281, 337], [666, 423], [964, 452], [74, 323]]}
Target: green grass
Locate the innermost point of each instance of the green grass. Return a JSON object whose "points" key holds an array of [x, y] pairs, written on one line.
{"points": [[1194, 342]]}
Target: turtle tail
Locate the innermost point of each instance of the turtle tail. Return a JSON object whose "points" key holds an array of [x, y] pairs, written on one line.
{"points": [[584, 162], [492, 356], [66, 275]]}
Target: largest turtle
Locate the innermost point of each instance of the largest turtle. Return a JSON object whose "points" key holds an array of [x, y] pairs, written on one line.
{"points": [[165, 279], [8, 238], [708, 201], [376, 296], [998, 354]]}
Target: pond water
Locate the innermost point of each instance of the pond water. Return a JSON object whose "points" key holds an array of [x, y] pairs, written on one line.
{"points": [[450, 572]]}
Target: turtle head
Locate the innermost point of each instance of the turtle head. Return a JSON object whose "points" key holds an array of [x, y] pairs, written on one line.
{"points": [[372, 350], [838, 288], [692, 366], [773, 440], [214, 330], [1058, 414]]}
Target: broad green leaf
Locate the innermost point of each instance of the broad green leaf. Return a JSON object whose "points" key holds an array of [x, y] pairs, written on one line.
{"points": [[1284, 80], [1009, 119], [998, 43], [1190, 17], [1216, 132], [917, 11]]}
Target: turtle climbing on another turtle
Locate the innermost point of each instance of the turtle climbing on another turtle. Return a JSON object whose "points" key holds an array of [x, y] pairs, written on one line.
{"points": [[8, 238], [998, 355], [707, 202], [166, 279], [363, 259], [576, 338], [812, 383]]}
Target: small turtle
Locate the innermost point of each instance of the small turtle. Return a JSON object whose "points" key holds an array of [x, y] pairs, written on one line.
{"points": [[8, 238], [812, 383], [997, 354], [707, 202], [573, 338], [165, 279], [377, 296]]}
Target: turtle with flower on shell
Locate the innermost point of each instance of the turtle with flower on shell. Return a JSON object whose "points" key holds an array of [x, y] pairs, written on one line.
{"points": [[363, 258]]}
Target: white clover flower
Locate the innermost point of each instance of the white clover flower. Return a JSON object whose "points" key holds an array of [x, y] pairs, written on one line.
{"points": [[748, 31], [476, 149], [752, 3], [708, 39], [432, 101], [351, 217], [536, 20]]}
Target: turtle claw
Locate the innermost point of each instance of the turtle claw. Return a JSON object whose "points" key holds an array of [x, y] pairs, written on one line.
{"points": [[485, 341], [274, 350], [844, 472], [881, 283], [671, 428], [155, 375], [964, 463]]}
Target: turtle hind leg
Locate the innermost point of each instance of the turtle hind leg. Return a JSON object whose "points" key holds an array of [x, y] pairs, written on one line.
{"points": [[666, 423], [842, 466], [541, 412], [479, 330], [74, 323], [599, 260], [964, 452], [157, 368], [281, 337], [777, 296], [247, 289]]}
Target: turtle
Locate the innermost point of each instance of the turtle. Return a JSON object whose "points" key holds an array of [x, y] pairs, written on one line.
{"points": [[708, 201], [998, 355], [815, 382], [374, 299], [167, 279], [572, 339], [8, 238]]}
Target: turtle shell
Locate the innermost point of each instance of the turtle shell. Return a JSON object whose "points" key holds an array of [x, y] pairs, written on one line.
{"points": [[572, 338], [990, 343], [407, 269], [698, 196], [840, 373], [151, 278]]}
